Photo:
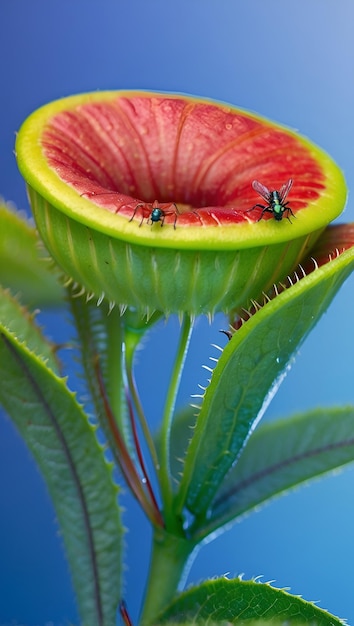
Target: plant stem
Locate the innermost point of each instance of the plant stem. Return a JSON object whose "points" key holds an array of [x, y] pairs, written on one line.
{"points": [[115, 388], [164, 469], [125, 462], [129, 355], [170, 560]]}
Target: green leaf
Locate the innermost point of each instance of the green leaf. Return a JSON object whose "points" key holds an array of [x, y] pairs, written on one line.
{"points": [[283, 454], [79, 478], [24, 266], [252, 622], [22, 325], [247, 376], [242, 602]]}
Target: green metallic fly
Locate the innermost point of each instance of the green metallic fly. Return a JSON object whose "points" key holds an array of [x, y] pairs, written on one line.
{"points": [[275, 200]]}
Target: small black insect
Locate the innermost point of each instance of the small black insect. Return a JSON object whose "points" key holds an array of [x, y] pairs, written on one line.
{"points": [[157, 215], [154, 213], [275, 200]]}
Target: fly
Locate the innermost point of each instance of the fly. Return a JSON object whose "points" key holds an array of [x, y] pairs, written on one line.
{"points": [[275, 200]]}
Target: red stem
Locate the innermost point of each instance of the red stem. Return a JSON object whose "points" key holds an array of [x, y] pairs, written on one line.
{"points": [[125, 462], [124, 613], [139, 451]]}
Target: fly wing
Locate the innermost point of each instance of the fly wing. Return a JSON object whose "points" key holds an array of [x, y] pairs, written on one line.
{"points": [[262, 190], [285, 190]]}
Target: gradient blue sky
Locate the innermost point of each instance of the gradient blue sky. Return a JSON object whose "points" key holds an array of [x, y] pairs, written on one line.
{"points": [[292, 62]]}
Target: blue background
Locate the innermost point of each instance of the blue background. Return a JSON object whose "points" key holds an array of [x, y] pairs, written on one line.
{"points": [[290, 61]]}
